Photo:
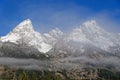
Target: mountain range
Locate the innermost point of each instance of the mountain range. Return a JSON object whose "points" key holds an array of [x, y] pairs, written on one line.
{"points": [[86, 44], [89, 32]]}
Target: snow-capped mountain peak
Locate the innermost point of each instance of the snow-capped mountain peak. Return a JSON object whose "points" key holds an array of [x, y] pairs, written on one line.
{"points": [[53, 36], [87, 29], [90, 32], [24, 33], [56, 32], [91, 26], [25, 25], [25, 28], [90, 23]]}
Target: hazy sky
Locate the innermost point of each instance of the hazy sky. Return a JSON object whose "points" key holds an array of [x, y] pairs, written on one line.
{"points": [[64, 14]]}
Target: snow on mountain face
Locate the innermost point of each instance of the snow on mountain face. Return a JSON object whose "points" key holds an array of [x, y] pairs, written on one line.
{"points": [[90, 32], [23, 29], [53, 36], [24, 33]]}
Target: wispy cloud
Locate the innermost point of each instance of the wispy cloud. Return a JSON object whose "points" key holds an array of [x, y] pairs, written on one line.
{"points": [[50, 17], [107, 20], [47, 17], [63, 14]]}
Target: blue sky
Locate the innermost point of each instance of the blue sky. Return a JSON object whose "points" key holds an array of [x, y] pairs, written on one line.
{"points": [[64, 14]]}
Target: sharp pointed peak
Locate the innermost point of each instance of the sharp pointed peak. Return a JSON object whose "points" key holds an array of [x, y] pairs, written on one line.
{"points": [[26, 20], [25, 24]]}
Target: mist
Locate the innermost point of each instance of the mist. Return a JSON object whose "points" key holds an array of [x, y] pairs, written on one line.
{"points": [[64, 63], [67, 16]]}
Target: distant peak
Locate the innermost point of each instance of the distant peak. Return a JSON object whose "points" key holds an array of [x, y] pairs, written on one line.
{"points": [[90, 23], [57, 31]]}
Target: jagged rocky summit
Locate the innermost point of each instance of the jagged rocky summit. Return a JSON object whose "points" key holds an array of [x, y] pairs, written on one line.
{"points": [[24, 33]]}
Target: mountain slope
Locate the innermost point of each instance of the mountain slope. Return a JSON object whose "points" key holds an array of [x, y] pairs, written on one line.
{"points": [[24, 33], [90, 32], [53, 36]]}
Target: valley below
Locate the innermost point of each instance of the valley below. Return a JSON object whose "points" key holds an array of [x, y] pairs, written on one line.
{"points": [[13, 73], [35, 69]]}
